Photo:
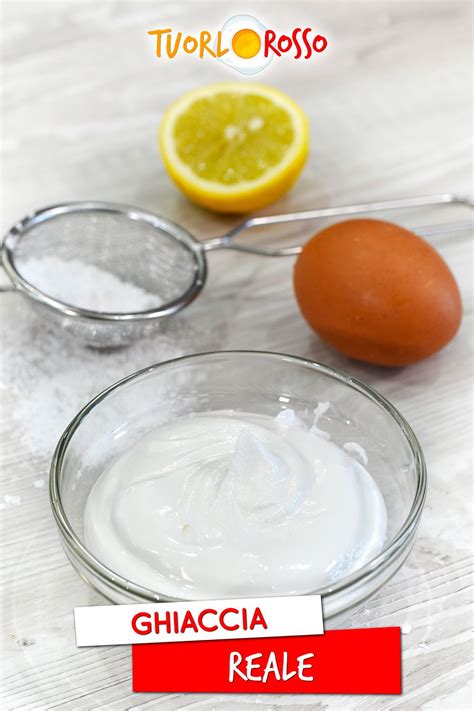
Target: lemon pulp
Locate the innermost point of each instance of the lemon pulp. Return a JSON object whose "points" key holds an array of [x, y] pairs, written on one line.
{"points": [[221, 138]]}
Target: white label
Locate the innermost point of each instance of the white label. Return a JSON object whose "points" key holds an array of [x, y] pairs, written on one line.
{"points": [[203, 620]]}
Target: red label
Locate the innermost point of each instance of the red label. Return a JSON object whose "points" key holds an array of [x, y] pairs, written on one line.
{"points": [[362, 661]]}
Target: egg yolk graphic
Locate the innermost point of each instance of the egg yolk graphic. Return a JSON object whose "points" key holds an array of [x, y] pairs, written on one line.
{"points": [[246, 43]]}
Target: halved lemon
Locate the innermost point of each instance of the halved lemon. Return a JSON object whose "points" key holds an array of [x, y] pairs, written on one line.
{"points": [[234, 147]]}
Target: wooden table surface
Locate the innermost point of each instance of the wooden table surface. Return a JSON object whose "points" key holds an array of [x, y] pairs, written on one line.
{"points": [[390, 109]]}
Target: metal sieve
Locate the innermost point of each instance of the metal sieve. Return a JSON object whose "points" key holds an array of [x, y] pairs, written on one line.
{"points": [[146, 252]]}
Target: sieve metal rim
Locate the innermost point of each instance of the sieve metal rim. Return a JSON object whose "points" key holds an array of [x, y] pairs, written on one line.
{"points": [[171, 230]]}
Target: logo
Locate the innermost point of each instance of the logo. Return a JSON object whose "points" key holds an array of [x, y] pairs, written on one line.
{"points": [[243, 44]]}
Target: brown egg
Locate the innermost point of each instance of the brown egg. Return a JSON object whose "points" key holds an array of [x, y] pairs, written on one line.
{"points": [[377, 292]]}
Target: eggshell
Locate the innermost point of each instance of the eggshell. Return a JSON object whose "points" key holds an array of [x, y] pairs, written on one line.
{"points": [[377, 292]]}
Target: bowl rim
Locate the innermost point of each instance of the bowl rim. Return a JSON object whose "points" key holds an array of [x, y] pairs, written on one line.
{"points": [[373, 567]]}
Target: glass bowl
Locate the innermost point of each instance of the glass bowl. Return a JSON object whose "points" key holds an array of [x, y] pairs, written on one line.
{"points": [[249, 381]]}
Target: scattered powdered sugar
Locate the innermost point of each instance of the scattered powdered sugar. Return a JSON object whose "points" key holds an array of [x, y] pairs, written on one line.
{"points": [[39, 483], [47, 377], [86, 286], [12, 500]]}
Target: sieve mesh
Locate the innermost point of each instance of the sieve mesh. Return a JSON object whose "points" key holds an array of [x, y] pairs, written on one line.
{"points": [[106, 267], [132, 250]]}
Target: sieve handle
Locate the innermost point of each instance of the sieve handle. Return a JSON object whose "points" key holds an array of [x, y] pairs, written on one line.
{"points": [[226, 240]]}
